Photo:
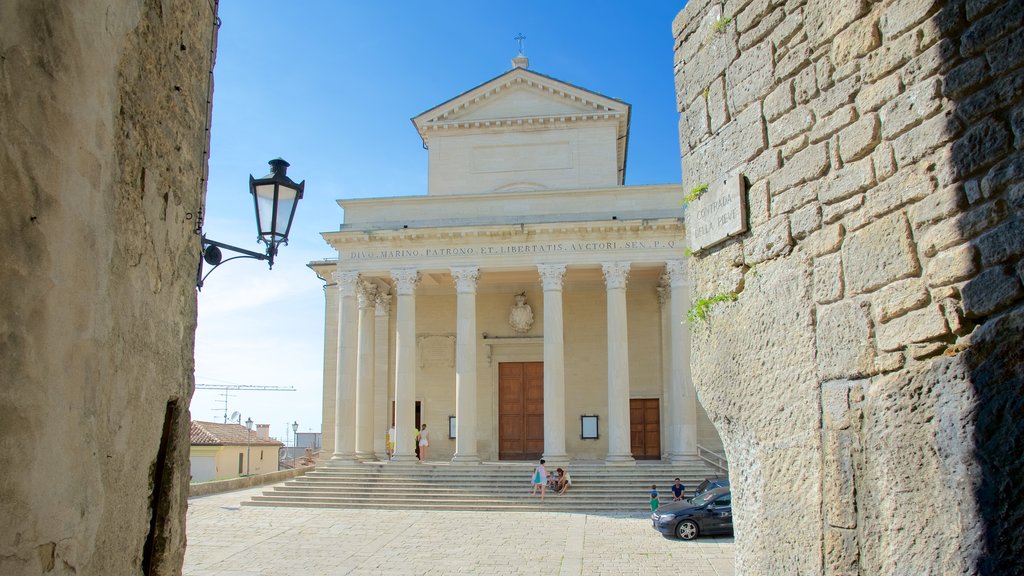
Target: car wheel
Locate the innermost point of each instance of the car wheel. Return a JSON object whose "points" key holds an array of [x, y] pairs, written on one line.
{"points": [[687, 530]]}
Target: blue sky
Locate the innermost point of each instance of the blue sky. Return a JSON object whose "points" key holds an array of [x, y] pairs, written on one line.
{"points": [[331, 87]]}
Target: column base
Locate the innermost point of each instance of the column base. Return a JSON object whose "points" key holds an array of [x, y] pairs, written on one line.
{"points": [[682, 458], [341, 460], [366, 457], [466, 459], [619, 460], [553, 461], [404, 459]]}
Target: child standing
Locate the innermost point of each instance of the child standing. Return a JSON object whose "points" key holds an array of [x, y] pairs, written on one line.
{"points": [[654, 497], [540, 479]]}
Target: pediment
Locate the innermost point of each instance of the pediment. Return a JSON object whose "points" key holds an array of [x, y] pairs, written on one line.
{"points": [[522, 96]]}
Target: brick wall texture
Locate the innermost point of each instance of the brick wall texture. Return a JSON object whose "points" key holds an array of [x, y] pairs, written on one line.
{"points": [[103, 114], [868, 381]]}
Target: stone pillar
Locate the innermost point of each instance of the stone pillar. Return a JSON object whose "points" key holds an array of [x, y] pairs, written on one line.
{"points": [[551, 276], [365, 421], [664, 311], [682, 421], [465, 366], [405, 365], [619, 451], [381, 409], [345, 396]]}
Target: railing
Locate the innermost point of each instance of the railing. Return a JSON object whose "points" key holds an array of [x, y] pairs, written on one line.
{"points": [[713, 458]]}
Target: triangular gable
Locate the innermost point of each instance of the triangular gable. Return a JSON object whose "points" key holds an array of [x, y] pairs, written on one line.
{"points": [[523, 97]]}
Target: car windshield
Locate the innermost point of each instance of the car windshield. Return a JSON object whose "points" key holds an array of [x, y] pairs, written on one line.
{"points": [[702, 499]]}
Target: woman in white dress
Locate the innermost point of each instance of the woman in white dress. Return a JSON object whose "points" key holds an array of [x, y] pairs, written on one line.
{"points": [[424, 443]]}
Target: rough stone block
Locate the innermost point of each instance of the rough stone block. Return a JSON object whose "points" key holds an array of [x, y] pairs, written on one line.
{"points": [[938, 206], [737, 142], [976, 8], [900, 190], [828, 279], [910, 108], [750, 77], [905, 14], [833, 123], [954, 315], [889, 362], [838, 487], [987, 30], [1007, 172], [872, 96], [918, 326], [995, 95], [884, 161], [757, 203], [880, 253], [779, 101], [856, 40], [787, 31], [922, 351], [991, 291], [768, 241], [853, 179], [899, 298], [848, 211], [1017, 126], [824, 18], [790, 125], [809, 164], [762, 29], [844, 342], [1005, 243], [826, 240], [839, 94], [790, 148], [693, 124], [961, 228], [792, 62], [888, 57], [805, 85], [762, 166], [917, 143], [931, 61], [805, 220], [972, 189], [981, 145], [965, 78], [823, 72], [952, 265], [718, 113], [709, 63], [860, 138]]}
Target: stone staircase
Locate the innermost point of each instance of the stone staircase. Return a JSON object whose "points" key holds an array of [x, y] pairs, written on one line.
{"points": [[488, 486]]}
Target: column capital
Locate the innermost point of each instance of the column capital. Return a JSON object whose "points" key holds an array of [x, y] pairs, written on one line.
{"points": [[551, 275], [346, 280], [406, 280], [677, 272], [366, 291], [615, 274], [664, 290], [465, 279], [382, 303]]}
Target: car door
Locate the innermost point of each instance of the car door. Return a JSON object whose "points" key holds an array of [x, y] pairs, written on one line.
{"points": [[720, 514]]}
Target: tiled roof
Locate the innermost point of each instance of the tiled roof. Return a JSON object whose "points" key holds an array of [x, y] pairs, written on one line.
{"points": [[217, 434]]}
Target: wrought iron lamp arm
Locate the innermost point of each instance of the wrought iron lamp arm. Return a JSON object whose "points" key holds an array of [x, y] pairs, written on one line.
{"points": [[214, 257]]}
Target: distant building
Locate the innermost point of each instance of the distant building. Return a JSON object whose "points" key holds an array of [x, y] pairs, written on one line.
{"points": [[308, 440], [221, 451]]}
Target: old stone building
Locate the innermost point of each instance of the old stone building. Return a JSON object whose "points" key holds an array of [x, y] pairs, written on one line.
{"points": [[862, 353], [527, 296], [103, 114]]}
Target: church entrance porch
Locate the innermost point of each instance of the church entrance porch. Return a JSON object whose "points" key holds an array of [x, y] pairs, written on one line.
{"points": [[520, 410]]}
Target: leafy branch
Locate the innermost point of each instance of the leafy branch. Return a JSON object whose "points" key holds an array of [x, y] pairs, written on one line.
{"points": [[719, 26], [696, 192], [702, 306]]}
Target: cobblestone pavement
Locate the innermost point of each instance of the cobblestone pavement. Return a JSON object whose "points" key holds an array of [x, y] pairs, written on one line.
{"points": [[226, 539]]}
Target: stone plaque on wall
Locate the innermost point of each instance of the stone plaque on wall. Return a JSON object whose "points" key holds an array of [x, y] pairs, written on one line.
{"points": [[436, 350], [719, 213]]}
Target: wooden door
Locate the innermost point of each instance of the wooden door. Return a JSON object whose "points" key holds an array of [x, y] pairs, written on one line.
{"points": [[520, 410], [645, 428]]}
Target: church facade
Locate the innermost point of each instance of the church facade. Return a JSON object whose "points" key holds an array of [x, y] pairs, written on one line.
{"points": [[529, 305]]}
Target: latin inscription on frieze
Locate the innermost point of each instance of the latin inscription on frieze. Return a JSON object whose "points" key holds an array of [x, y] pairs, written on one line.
{"points": [[509, 249]]}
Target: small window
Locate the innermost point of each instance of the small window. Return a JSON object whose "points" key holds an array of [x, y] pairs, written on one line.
{"points": [[240, 462]]}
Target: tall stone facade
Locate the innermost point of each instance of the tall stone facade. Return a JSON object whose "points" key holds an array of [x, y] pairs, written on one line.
{"points": [[868, 378], [103, 114]]}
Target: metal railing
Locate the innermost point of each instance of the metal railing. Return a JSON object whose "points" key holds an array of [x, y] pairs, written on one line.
{"points": [[713, 458]]}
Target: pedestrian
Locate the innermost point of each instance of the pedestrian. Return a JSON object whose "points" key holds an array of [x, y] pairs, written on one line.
{"points": [[540, 479], [563, 482], [391, 442], [654, 498], [677, 491], [424, 443]]}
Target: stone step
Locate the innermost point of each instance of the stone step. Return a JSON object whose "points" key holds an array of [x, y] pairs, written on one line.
{"points": [[550, 504]]}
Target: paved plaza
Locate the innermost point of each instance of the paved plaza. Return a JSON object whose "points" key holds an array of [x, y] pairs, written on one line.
{"points": [[227, 539]]}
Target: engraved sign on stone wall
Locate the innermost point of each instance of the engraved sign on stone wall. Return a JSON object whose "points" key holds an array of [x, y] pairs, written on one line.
{"points": [[718, 214], [436, 350]]}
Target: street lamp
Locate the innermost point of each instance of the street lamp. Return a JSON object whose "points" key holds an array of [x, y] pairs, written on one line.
{"points": [[275, 197], [248, 443], [295, 440]]}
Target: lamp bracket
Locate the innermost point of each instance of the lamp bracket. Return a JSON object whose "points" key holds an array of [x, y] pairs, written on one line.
{"points": [[212, 255]]}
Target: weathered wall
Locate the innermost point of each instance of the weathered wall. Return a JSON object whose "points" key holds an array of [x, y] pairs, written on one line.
{"points": [[103, 111], [869, 379]]}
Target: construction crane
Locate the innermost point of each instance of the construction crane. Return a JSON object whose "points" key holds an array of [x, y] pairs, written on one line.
{"points": [[240, 387]]}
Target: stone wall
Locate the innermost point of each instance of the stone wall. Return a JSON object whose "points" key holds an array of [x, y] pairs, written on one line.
{"points": [[103, 112], [868, 380]]}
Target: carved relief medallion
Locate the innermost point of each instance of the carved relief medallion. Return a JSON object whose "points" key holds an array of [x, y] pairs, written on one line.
{"points": [[520, 316]]}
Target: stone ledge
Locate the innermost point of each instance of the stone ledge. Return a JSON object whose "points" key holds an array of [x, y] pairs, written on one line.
{"points": [[219, 486]]}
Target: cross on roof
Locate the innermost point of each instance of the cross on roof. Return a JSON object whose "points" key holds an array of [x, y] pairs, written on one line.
{"points": [[520, 39]]}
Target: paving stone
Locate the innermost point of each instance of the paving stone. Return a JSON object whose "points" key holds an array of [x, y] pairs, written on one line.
{"points": [[991, 291], [881, 253]]}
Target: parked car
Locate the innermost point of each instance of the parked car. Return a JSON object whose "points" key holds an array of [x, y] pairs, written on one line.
{"points": [[710, 483], [707, 513]]}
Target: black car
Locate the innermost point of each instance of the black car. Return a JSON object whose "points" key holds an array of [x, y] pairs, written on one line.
{"points": [[710, 483], [707, 513]]}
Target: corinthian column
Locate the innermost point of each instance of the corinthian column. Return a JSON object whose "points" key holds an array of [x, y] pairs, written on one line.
{"points": [[366, 294], [465, 365], [405, 365], [551, 276], [382, 415], [345, 396], [682, 421], [619, 452]]}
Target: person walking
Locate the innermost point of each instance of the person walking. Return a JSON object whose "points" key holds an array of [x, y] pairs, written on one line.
{"points": [[654, 498], [391, 442], [540, 479], [424, 443]]}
